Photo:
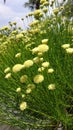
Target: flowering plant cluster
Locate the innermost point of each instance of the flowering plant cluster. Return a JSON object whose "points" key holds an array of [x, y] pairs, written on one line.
{"points": [[36, 74]]}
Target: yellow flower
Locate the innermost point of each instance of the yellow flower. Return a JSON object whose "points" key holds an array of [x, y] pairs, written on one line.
{"points": [[38, 78], [46, 3], [43, 48], [45, 64], [7, 70], [51, 86], [51, 70], [18, 55], [45, 41], [17, 68], [45, 10], [42, 1], [18, 90], [8, 76], [19, 36], [40, 69], [28, 63], [28, 90], [37, 12], [34, 50], [65, 46], [69, 50], [55, 11], [36, 59], [23, 106], [23, 78]]}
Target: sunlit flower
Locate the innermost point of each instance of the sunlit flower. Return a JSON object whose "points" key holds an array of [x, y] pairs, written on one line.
{"points": [[19, 36], [23, 95], [28, 63], [46, 3], [17, 68], [37, 12], [45, 10], [8, 76], [31, 86], [55, 11], [18, 90], [34, 50], [42, 1], [51, 86], [51, 70], [28, 90], [45, 41], [7, 70], [23, 106], [23, 78], [65, 46], [43, 48], [36, 59], [69, 50], [18, 55], [40, 69], [45, 64], [38, 78]]}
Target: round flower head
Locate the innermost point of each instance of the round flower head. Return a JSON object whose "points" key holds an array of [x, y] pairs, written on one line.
{"points": [[69, 50], [42, 1], [19, 36], [45, 10], [34, 50], [8, 76], [18, 55], [7, 70], [40, 69], [55, 11], [37, 12], [36, 59], [18, 90], [51, 70], [51, 86], [65, 46], [28, 90], [23, 106], [38, 79], [45, 41], [23, 78], [43, 48], [45, 64], [31, 86], [17, 68], [28, 63]]}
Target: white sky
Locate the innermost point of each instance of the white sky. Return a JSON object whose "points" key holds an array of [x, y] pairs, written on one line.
{"points": [[13, 10]]}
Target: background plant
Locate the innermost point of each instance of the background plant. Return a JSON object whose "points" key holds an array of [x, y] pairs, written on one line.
{"points": [[45, 50]]}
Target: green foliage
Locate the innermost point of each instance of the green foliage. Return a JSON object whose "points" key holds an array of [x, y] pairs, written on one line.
{"points": [[50, 101]]}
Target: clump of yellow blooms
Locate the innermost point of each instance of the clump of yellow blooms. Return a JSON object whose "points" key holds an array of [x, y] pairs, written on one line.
{"points": [[23, 106], [65, 46], [8, 76], [45, 41], [7, 70], [45, 64], [17, 68], [28, 63], [38, 79], [51, 86], [69, 50], [18, 90], [23, 78], [18, 55]]}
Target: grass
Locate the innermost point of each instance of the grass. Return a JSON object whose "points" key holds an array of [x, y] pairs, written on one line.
{"points": [[50, 101]]}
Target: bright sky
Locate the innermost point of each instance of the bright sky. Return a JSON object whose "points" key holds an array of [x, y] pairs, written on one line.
{"points": [[13, 10]]}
